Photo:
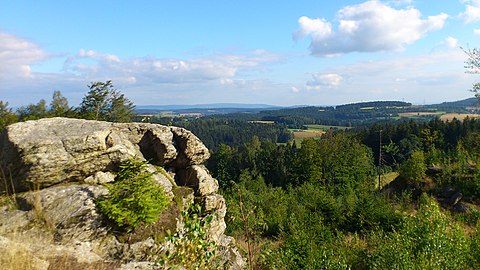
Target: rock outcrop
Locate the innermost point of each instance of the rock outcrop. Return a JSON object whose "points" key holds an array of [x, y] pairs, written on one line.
{"points": [[57, 169]]}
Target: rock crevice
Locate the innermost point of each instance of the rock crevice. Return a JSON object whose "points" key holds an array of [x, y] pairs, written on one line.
{"points": [[58, 168]]}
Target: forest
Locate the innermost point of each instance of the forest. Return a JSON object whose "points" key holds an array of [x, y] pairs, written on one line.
{"points": [[388, 195]]}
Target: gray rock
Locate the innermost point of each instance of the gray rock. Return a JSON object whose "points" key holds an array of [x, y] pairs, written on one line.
{"points": [[100, 178], [42, 153], [455, 198], [69, 211], [197, 178], [191, 150], [63, 165]]}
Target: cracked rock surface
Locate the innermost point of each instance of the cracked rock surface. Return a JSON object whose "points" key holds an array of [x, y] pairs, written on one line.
{"points": [[58, 168]]}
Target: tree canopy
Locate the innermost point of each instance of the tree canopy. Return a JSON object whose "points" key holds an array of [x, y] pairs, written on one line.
{"points": [[105, 102], [472, 64]]}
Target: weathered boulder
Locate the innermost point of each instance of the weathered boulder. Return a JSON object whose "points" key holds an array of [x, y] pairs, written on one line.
{"points": [[198, 178], [38, 154], [69, 211], [100, 178], [62, 166]]}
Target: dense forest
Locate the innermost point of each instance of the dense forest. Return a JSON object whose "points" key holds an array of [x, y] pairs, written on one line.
{"points": [[319, 205], [343, 115], [388, 195], [214, 132]]}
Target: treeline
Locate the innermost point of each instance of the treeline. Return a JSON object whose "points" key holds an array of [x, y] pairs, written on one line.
{"points": [[234, 133], [102, 102], [318, 205], [357, 114], [399, 140]]}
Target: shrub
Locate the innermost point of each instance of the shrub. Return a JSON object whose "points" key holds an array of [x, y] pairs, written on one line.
{"points": [[191, 246], [134, 197], [414, 168], [428, 240]]}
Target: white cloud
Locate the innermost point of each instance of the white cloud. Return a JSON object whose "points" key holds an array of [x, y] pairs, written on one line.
{"points": [[451, 42], [28, 74], [476, 31], [318, 28], [400, 2], [320, 81], [472, 11], [17, 55], [368, 27], [295, 89], [220, 68], [435, 77]]}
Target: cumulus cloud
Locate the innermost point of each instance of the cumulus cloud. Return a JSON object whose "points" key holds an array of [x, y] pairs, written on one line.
{"points": [[17, 55], [472, 11], [367, 27], [451, 42], [476, 32], [320, 81], [400, 2], [28, 73], [429, 76], [220, 68]]}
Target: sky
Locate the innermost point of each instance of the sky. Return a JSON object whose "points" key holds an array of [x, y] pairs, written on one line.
{"points": [[302, 52]]}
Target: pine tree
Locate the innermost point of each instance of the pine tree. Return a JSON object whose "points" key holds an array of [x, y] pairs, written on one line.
{"points": [[104, 102]]}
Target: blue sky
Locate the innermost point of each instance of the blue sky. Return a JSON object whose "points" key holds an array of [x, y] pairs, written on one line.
{"points": [[273, 52]]}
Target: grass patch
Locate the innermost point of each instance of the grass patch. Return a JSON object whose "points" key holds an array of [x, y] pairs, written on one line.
{"points": [[386, 178], [325, 127]]}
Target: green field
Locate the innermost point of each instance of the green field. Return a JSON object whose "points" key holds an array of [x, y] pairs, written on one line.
{"points": [[325, 127]]}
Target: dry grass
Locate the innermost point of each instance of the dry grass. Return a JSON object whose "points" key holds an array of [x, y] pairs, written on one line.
{"points": [[32, 252], [385, 179], [70, 263], [303, 134], [15, 257], [458, 116], [413, 114]]}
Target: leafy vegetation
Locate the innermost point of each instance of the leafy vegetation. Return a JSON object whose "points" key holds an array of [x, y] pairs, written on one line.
{"points": [[104, 102], [134, 197], [214, 132], [191, 246], [317, 205]]}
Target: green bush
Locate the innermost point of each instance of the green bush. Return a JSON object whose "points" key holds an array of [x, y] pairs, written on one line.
{"points": [[191, 246], [414, 168], [428, 240], [134, 197]]}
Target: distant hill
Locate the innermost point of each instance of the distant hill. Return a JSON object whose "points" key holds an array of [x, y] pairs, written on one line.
{"points": [[469, 102], [204, 109], [205, 106], [354, 114], [373, 104]]}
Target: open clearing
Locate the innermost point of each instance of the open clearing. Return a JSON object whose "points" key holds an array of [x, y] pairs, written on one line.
{"points": [[385, 179], [302, 134], [325, 127], [458, 116], [413, 114]]}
